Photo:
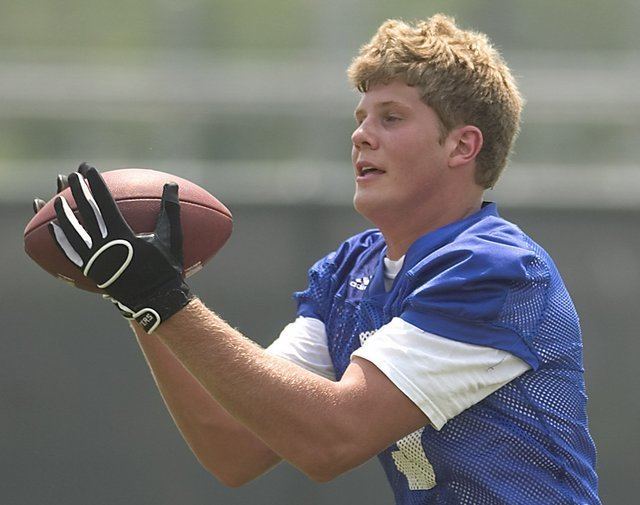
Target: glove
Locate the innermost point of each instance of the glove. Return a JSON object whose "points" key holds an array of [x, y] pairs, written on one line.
{"points": [[141, 274], [62, 183]]}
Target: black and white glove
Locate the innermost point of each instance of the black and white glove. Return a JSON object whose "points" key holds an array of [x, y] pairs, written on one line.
{"points": [[141, 274]]}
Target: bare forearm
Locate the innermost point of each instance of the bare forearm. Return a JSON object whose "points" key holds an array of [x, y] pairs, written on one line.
{"points": [[223, 445], [291, 409]]}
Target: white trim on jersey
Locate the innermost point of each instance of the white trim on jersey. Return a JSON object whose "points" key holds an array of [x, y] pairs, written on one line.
{"points": [[443, 377], [304, 342]]}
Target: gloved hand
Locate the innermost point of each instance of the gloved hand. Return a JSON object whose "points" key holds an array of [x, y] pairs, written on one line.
{"points": [[142, 274], [62, 183]]}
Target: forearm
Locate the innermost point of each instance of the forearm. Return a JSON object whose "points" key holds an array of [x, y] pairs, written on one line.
{"points": [[223, 445], [294, 411], [207, 367]]}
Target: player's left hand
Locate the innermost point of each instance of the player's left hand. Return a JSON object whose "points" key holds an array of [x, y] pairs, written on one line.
{"points": [[142, 274]]}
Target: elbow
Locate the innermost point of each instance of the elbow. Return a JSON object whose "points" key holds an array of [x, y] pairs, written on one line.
{"points": [[235, 473], [235, 469], [230, 479], [232, 474], [318, 468], [321, 476], [319, 473], [328, 463], [316, 471]]}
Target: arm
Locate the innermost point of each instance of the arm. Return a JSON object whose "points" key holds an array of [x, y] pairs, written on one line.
{"points": [[146, 284], [321, 427], [223, 446]]}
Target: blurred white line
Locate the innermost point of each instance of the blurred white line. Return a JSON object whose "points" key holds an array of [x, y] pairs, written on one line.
{"points": [[53, 84]]}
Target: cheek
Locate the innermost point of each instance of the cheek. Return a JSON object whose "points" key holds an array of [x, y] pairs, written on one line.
{"points": [[409, 142], [418, 166], [418, 151], [411, 156]]}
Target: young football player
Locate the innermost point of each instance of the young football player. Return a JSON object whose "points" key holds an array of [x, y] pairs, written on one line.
{"points": [[443, 341]]}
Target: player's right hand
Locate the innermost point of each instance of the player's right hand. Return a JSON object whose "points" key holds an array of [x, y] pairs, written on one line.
{"points": [[142, 272], [62, 183]]}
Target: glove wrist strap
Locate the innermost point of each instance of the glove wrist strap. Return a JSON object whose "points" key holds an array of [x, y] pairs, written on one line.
{"points": [[161, 306]]}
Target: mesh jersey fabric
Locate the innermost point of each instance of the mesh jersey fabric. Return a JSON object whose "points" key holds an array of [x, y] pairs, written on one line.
{"points": [[479, 280]]}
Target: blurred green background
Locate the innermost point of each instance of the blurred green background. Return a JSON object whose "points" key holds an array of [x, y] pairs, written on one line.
{"points": [[250, 100]]}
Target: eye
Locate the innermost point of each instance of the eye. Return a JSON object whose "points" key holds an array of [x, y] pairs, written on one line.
{"points": [[390, 118]]}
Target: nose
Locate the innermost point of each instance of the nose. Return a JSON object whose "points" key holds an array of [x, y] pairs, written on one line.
{"points": [[363, 136]]}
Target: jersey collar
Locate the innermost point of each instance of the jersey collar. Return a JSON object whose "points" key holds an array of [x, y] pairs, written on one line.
{"points": [[433, 240], [424, 246]]}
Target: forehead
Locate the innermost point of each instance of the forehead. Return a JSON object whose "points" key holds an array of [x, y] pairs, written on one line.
{"points": [[395, 92]]}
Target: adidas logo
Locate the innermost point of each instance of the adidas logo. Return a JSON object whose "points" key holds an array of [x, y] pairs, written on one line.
{"points": [[360, 283]]}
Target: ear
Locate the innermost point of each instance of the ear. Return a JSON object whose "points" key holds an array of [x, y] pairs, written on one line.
{"points": [[466, 142]]}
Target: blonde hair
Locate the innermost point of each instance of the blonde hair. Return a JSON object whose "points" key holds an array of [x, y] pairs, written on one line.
{"points": [[459, 75]]}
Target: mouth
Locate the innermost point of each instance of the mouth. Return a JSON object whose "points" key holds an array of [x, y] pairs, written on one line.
{"points": [[365, 170]]}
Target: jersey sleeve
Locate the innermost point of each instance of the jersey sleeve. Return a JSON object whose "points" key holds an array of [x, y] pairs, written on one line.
{"points": [[486, 290], [304, 342], [443, 377], [314, 302]]}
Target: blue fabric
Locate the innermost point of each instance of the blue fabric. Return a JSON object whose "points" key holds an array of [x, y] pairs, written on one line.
{"points": [[463, 274], [482, 281]]}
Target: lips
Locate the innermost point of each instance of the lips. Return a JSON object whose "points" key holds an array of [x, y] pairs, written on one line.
{"points": [[366, 169]]}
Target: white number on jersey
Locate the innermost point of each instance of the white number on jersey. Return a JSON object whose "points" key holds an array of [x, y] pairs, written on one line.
{"points": [[412, 461]]}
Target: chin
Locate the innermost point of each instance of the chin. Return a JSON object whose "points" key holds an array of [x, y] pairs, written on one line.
{"points": [[368, 207]]}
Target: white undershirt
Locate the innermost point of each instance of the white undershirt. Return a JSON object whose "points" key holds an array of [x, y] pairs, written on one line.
{"points": [[443, 377], [391, 270]]}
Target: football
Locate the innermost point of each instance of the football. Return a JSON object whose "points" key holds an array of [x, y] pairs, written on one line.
{"points": [[206, 223]]}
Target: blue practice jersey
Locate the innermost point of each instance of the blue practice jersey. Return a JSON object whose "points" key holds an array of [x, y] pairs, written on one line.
{"points": [[480, 281]]}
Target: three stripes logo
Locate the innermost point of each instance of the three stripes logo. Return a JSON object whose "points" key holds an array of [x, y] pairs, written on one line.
{"points": [[360, 283]]}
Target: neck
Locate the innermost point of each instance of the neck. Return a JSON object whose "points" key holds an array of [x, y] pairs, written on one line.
{"points": [[400, 232]]}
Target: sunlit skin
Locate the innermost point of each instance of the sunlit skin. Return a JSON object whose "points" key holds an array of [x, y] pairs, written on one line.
{"points": [[423, 181]]}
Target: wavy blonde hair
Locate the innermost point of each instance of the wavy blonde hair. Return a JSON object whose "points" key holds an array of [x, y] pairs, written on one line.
{"points": [[459, 75]]}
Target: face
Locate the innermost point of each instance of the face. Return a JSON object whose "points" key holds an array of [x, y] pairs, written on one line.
{"points": [[398, 159]]}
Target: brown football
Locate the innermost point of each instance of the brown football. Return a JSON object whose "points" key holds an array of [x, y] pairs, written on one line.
{"points": [[206, 223]]}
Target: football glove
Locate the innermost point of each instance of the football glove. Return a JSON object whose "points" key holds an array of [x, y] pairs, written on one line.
{"points": [[62, 183], [141, 274]]}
